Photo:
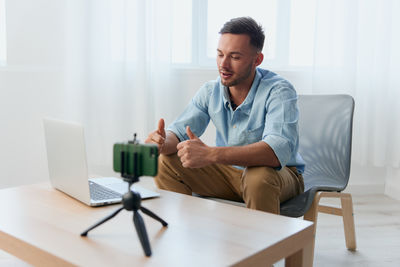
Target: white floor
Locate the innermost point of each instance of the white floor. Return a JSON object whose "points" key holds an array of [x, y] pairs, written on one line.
{"points": [[377, 220]]}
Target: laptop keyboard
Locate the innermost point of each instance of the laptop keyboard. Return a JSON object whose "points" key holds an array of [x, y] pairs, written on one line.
{"points": [[98, 192]]}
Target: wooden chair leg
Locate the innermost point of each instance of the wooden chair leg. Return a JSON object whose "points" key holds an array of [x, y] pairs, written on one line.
{"points": [[346, 211], [348, 221]]}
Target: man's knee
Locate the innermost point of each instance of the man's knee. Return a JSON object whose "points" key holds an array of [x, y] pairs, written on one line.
{"points": [[257, 177], [261, 189], [171, 159], [169, 176], [166, 167], [169, 164]]}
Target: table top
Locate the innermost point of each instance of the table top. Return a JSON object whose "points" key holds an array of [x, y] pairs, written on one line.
{"points": [[40, 225]]}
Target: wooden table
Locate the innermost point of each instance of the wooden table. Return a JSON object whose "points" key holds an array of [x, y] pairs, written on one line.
{"points": [[42, 226]]}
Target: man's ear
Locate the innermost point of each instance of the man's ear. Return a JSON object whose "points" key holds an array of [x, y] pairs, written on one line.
{"points": [[259, 59]]}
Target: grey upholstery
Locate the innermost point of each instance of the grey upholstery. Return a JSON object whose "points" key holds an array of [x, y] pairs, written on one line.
{"points": [[325, 128]]}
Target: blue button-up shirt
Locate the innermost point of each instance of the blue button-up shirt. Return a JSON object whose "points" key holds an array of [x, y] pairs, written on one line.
{"points": [[269, 114]]}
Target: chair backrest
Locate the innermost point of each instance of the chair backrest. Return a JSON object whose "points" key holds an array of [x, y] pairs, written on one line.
{"points": [[325, 129]]}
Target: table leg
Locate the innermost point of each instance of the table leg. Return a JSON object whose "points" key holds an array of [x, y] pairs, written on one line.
{"points": [[302, 258]]}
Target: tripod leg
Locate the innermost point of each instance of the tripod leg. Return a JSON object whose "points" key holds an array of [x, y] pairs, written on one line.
{"points": [[153, 215], [102, 221], [141, 231]]}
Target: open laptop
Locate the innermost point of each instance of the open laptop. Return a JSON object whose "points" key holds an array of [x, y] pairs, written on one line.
{"points": [[68, 171]]}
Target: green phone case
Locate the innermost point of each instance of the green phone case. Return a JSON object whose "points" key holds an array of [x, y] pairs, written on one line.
{"points": [[147, 158]]}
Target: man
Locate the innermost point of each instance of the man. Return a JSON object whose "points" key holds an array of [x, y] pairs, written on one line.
{"points": [[255, 113]]}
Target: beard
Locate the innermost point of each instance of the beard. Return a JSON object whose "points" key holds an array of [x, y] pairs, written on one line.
{"points": [[233, 81]]}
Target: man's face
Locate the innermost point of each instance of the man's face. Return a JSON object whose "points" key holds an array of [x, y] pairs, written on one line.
{"points": [[236, 59]]}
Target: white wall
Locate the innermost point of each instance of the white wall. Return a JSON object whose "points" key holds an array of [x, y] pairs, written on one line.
{"points": [[32, 86]]}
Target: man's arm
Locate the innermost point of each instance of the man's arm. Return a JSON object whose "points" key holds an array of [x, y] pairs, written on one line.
{"points": [[171, 141], [257, 154], [195, 154]]}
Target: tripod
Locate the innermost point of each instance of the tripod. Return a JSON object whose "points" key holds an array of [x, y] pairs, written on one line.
{"points": [[131, 201]]}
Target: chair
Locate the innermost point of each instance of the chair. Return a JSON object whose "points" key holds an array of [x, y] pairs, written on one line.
{"points": [[325, 129]]}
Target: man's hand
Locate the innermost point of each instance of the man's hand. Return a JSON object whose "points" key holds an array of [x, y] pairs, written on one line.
{"points": [[158, 136], [193, 153]]}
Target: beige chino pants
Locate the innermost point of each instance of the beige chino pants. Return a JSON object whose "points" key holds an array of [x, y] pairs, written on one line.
{"points": [[261, 188]]}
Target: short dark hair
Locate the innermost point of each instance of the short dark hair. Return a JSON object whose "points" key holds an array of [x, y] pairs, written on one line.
{"points": [[248, 26]]}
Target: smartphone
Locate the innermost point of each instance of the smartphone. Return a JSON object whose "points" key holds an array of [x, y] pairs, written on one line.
{"points": [[128, 156]]}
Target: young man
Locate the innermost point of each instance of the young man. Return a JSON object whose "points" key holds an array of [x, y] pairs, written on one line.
{"points": [[255, 113]]}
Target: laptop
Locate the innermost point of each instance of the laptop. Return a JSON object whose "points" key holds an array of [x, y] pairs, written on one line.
{"points": [[68, 171]]}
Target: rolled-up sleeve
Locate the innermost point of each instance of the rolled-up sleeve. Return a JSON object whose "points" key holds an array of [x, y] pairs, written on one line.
{"points": [[281, 122], [194, 115]]}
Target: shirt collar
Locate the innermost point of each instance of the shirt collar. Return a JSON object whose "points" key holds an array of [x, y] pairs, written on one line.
{"points": [[245, 106], [225, 95]]}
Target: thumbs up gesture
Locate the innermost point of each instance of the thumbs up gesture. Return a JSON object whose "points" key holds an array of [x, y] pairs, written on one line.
{"points": [[158, 136], [191, 135], [193, 152]]}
